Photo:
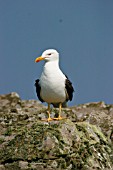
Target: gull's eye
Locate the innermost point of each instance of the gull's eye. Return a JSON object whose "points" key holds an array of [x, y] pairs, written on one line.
{"points": [[49, 54]]}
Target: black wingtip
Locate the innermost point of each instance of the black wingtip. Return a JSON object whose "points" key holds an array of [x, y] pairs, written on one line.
{"points": [[69, 89], [38, 89]]}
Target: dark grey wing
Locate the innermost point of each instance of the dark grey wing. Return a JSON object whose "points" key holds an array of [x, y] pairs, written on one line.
{"points": [[69, 89], [38, 89]]}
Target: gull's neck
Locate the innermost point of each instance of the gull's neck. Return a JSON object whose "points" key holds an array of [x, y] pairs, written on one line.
{"points": [[51, 67]]}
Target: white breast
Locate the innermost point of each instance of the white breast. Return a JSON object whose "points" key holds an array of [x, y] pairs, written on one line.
{"points": [[52, 83]]}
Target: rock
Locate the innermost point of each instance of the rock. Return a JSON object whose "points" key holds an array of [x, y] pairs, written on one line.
{"points": [[2, 167], [23, 165], [82, 141]]}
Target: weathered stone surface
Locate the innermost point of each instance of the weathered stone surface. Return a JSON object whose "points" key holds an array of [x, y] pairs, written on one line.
{"points": [[82, 141], [2, 167]]}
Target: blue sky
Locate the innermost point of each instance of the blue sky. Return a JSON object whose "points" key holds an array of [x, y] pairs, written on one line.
{"points": [[82, 32]]}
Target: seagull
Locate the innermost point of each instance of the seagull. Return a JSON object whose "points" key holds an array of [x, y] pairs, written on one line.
{"points": [[53, 87]]}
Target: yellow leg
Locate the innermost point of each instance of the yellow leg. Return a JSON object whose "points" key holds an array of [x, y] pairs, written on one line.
{"points": [[59, 116], [48, 111]]}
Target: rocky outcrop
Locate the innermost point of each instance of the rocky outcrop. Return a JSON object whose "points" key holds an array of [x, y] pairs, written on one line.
{"points": [[84, 140]]}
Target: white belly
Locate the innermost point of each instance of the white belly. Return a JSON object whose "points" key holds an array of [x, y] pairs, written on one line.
{"points": [[53, 89]]}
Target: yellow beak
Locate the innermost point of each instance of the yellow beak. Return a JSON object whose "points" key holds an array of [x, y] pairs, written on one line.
{"points": [[39, 59]]}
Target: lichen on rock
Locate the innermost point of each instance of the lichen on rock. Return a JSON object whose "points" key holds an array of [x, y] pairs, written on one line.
{"points": [[78, 142]]}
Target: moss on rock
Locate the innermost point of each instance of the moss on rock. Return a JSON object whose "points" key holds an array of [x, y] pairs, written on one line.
{"points": [[29, 143]]}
